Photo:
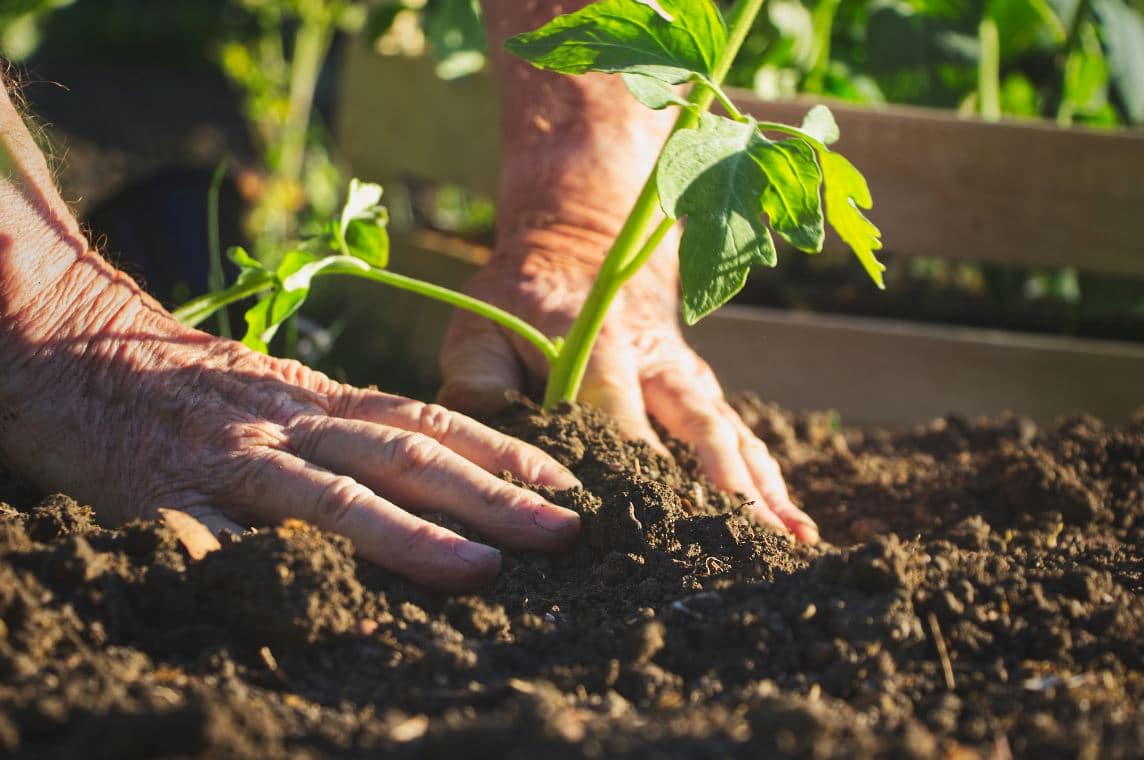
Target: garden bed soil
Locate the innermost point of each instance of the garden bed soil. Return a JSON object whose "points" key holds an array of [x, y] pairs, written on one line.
{"points": [[978, 593]]}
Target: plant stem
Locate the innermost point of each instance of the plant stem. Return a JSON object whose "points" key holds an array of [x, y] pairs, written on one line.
{"points": [[1068, 105], [193, 312], [310, 45], [724, 100], [628, 253], [216, 280], [455, 298], [989, 70], [823, 25]]}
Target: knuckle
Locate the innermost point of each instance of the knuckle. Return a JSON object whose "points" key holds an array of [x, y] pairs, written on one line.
{"points": [[435, 421], [421, 539], [335, 501], [303, 432], [412, 454]]}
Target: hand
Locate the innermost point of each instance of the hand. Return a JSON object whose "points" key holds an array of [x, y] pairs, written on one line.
{"points": [[121, 406], [641, 364]]}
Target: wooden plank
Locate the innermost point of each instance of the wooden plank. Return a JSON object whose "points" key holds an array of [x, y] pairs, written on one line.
{"points": [[892, 373], [873, 371], [396, 119], [1026, 194]]}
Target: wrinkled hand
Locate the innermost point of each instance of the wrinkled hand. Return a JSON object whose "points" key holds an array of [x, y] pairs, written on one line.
{"points": [[641, 364], [123, 407]]}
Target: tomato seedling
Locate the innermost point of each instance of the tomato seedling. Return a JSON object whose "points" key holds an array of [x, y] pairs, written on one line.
{"points": [[722, 175]]}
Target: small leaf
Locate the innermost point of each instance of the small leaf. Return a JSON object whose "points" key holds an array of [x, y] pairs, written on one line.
{"points": [[368, 242], [723, 176], [820, 124], [243, 260], [362, 229], [629, 36], [653, 93], [845, 193]]}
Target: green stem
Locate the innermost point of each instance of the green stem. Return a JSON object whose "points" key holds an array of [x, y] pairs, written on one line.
{"points": [[1067, 107], [457, 299], [216, 279], [632, 247], [989, 71], [310, 45], [196, 310], [823, 23], [723, 99]]}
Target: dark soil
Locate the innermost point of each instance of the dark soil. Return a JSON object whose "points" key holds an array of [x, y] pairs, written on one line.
{"points": [[978, 594]]}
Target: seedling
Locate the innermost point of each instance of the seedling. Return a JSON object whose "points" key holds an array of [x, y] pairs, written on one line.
{"points": [[721, 174]]}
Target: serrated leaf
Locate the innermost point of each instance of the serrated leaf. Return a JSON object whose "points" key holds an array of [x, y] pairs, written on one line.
{"points": [[629, 36], [819, 123], [653, 93], [845, 192], [723, 176]]}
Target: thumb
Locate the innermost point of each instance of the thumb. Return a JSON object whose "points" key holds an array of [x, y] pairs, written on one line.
{"points": [[479, 367]]}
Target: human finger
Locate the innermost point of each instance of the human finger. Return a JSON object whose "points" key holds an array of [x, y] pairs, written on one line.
{"points": [[280, 485], [612, 384], [769, 481], [479, 367], [493, 451], [691, 410], [421, 474]]}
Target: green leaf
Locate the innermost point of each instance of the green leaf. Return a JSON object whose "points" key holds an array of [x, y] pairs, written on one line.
{"points": [[362, 226], [243, 260], [1123, 30], [629, 36], [820, 124], [653, 93], [723, 176], [845, 193], [456, 36]]}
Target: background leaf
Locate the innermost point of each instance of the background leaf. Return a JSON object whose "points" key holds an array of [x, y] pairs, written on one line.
{"points": [[628, 36], [1124, 36]]}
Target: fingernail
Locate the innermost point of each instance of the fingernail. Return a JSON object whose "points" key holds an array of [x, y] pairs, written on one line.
{"points": [[556, 519], [476, 554]]}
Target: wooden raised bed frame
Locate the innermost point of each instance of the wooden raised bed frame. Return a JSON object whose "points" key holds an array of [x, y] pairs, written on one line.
{"points": [[1015, 193]]}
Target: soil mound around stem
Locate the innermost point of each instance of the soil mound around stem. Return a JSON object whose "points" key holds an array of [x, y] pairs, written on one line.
{"points": [[977, 594]]}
